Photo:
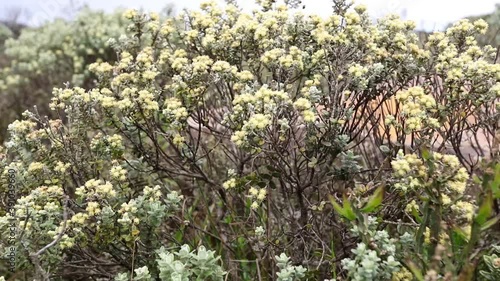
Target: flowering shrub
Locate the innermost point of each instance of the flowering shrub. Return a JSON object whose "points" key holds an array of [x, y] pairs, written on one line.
{"points": [[492, 36], [55, 53], [5, 33], [232, 131]]}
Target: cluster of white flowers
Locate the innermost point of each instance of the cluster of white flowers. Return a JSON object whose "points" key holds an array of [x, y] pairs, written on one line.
{"points": [[96, 188], [258, 195], [107, 144], [61, 167], [175, 110], [154, 193], [101, 68], [128, 211], [417, 109], [413, 176], [230, 183], [117, 172]]}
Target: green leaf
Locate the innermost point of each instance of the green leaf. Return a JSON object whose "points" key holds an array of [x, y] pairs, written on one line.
{"points": [[490, 223], [374, 201], [417, 273], [349, 210], [313, 162], [485, 210], [266, 176], [272, 185], [416, 215], [459, 237], [346, 210], [495, 185], [426, 155]]}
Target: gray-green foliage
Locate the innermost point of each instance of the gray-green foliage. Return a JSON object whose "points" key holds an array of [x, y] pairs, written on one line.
{"points": [[492, 261], [183, 265], [372, 263], [288, 272]]}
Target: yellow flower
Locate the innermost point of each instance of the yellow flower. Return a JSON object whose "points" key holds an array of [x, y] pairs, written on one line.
{"points": [[130, 14], [262, 194], [308, 116], [254, 205], [178, 140], [253, 191], [302, 104]]}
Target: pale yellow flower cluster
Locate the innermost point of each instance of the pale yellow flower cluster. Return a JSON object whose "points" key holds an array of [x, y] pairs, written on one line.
{"points": [[147, 101], [115, 141], [19, 128], [310, 87], [118, 173], [265, 99], [101, 68], [34, 209], [402, 275], [107, 144], [76, 220], [406, 165], [272, 56], [463, 210], [254, 125], [174, 109], [66, 242], [178, 140], [245, 76], [128, 211], [456, 184], [357, 70], [327, 31], [460, 59], [35, 167], [96, 188], [443, 237], [303, 105], [61, 167], [153, 193], [201, 64], [179, 60], [93, 208], [412, 206], [409, 168], [413, 175], [126, 59], [130, 14], [224, 67], [230, 183], [417, 108], [258, 195]]}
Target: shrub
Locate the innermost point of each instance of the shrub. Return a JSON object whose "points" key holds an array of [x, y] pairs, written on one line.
{"points": [[251, 128], [492, 36], [55, 53]]}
